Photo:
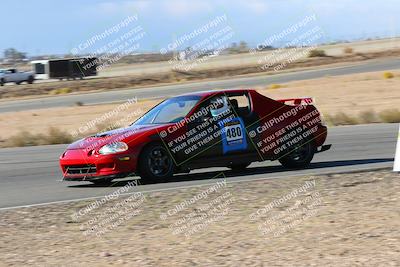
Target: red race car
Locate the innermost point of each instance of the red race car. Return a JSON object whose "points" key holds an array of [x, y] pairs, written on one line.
{"points": [[229, 128]]}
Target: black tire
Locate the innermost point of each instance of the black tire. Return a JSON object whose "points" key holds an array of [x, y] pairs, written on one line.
{"points": [[103, 182], [30, 79], [155, 163], [299, 157], [2, 82], [17, 83], [239, 167]]}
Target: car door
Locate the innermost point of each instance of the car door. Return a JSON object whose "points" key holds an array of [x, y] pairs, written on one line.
{"points": [[237, 140], [205, 131], [11, 75], [7, 76], [221, 128]]}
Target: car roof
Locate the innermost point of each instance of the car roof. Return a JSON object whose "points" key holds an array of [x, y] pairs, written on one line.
{"points": [[215, 91]]}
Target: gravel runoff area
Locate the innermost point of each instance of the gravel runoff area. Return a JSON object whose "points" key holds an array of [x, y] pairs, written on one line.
{"points": [[348, 219]]}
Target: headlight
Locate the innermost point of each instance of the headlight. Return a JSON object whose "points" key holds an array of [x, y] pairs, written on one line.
{"points": [[113, 148]]}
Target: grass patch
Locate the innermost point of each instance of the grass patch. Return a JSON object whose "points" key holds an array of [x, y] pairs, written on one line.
{"points": [[53, 136], [390, 115], [107, 126], [368, 117], [56, 136], [275, 86], [25, 138], [388, 75], [61, 91], [341, 119], [348, 50], [317, 53], [386, 116]]}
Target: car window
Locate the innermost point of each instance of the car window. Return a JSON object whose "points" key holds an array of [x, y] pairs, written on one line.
{"points": [[240, 103], [171, 110], [212, 107]]}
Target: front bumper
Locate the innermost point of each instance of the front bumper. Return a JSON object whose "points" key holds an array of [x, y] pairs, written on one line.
{"points": [[78, 165], [94, 178]]}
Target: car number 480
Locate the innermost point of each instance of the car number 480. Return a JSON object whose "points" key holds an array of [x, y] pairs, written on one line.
{"points": [[233, 132]]}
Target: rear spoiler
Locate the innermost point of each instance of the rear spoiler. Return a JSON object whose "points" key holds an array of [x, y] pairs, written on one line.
{"points": [[297, 101]]}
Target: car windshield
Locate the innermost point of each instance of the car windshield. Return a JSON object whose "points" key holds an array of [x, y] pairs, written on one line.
{"points": [[169, 111]]}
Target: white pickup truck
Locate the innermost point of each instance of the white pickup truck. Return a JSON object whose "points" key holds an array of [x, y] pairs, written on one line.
{"points": [[12, 75]]}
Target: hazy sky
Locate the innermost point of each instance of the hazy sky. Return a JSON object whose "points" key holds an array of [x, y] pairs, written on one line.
{"points": [[48, 26]]}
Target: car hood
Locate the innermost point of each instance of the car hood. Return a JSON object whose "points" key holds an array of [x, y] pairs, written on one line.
{"points": [[100, 139]]}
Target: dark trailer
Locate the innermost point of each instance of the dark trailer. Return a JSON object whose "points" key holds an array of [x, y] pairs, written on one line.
{"points": [[68, 68]]}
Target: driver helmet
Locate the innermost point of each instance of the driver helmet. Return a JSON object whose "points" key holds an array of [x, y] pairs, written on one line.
{"points": [[219, 105]]}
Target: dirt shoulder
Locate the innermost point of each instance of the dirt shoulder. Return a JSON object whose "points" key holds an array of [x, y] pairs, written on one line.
{"points": [[333, 220], [350, 94]]}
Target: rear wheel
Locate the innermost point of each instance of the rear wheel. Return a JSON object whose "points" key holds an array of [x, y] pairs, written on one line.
{"points": [[155, 163], [2, 82], [299, 157]]}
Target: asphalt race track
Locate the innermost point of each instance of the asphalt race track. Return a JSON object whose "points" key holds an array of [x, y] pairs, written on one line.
{"points": [[31, 175], [172, 90]]}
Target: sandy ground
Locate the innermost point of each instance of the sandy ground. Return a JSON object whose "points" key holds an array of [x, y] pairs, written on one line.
{"points": [[331, 220], [350, 94]]}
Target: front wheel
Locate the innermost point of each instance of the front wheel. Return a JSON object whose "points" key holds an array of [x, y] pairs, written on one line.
{"points": [[2, 82], [155, 163], [299, 157]]}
